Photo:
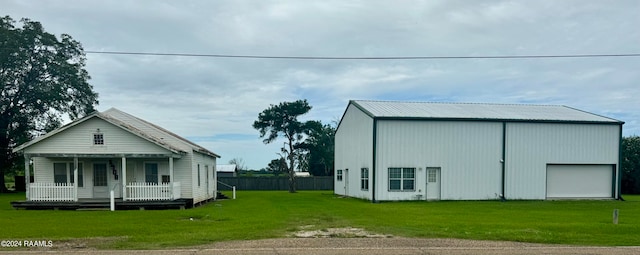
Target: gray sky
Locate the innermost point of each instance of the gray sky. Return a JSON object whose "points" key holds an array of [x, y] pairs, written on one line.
{"points": [[214, 101]]}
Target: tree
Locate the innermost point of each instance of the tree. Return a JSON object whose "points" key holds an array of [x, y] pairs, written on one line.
{"points": [[319, 146], [42, 79], [631, 165], [282, 120], [277, 166], [239, 162]]}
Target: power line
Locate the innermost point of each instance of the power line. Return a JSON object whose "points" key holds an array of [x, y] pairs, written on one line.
{"points": [[364, 58]]}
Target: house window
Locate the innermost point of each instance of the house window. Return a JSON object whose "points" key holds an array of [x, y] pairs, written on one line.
{"points": [[98, 139], [339, 175], [166, 179], [198, 175], [80, 174], [151, 173], [63, 173], [402, 179], [60, 173], [364, 178]]}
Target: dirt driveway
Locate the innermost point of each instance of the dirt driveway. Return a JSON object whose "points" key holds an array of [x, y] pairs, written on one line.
{"points": [[356, 246]]}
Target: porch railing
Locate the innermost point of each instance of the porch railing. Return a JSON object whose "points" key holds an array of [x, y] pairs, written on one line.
{"points": [[52, 192], [141, 191]]}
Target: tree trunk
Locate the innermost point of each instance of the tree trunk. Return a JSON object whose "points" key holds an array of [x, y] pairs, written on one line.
{"points": [[4, 161], [292, 174], [3, 187]]}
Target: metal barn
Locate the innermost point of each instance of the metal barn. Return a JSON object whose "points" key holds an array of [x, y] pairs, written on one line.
{"points": [[456, 151]]}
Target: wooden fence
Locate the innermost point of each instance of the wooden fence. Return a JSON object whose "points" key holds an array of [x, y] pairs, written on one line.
{"points": [[52, 192], [153, 191], [277, 183]]}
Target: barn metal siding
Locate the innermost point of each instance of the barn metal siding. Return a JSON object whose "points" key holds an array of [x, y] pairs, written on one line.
{"points": [[531, 146], [468, 153], [353, 151]]}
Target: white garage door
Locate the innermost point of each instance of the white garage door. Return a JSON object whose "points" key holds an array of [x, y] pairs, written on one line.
{"points": [[580, 181]]}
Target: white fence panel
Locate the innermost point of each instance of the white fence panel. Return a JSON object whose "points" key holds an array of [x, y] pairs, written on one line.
{"points": [[39, 191], [149, 191], [177, 190]]}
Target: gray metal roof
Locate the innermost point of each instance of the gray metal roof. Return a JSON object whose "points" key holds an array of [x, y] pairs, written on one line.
{"points": [[226, 168], [152, 131], [478, 111]]}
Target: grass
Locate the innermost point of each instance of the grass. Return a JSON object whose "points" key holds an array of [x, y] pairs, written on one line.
{"points": [[272, 214]]}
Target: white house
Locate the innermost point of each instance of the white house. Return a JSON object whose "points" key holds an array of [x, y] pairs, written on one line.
{"points": [[455, 151], [113, 150]]}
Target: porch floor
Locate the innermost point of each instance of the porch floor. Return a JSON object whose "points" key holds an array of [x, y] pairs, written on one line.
{"points": [[101, 203]]}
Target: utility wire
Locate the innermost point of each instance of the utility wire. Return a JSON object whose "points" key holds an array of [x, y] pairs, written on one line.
{"points": [[363, 58]]}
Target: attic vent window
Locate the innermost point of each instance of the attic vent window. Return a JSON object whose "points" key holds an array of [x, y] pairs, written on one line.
{"points": [[98, 139]]}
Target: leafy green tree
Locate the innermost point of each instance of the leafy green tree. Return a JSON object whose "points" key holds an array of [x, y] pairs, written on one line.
{"points": [[42, 78], [319, 145], [631, 165], [282, 120], [277, 166]]}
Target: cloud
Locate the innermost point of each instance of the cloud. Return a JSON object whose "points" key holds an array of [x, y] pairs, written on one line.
{"points": [[214, 101]]}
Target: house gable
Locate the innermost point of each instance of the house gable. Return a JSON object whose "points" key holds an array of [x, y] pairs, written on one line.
{"points": [[79, 139]]}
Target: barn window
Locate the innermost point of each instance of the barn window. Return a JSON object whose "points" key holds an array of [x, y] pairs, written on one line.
{"points": [[364, 178], [198, 175], [402, 179], [339, 175], [98, 139]]}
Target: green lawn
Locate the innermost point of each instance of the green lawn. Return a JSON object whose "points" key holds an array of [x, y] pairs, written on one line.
{"points": [[259, 214]]}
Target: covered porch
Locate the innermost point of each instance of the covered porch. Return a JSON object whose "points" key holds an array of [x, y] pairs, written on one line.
{"points": [[85, 177]]}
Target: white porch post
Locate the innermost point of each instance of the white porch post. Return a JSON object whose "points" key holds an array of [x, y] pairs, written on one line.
{"points": [[124, 178], [171, 176], [27, 174], [75, 178]]}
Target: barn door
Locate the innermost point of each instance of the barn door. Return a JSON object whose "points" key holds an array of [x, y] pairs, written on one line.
{"points": [[580, 181], [433, 183]]}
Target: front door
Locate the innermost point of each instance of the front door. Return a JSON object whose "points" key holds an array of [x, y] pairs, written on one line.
{"points": [[433, 183], [100, 188]]}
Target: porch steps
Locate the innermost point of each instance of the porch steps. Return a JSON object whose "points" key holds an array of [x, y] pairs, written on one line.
{"points": [[219, 195], [93, 209]]}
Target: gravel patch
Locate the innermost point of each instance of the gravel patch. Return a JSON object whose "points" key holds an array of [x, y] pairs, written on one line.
{"points": [[347, 232]]}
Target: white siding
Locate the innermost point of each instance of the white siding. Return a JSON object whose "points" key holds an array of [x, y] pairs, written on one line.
{"points": [[468, 153], [206, 163], [183, 171], [79, 139], [43, 172], [531, 146], [353, 151]]}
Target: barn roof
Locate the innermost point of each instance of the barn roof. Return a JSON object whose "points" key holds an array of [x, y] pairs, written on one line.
{"points": [[226, 168], [478, 111]]}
